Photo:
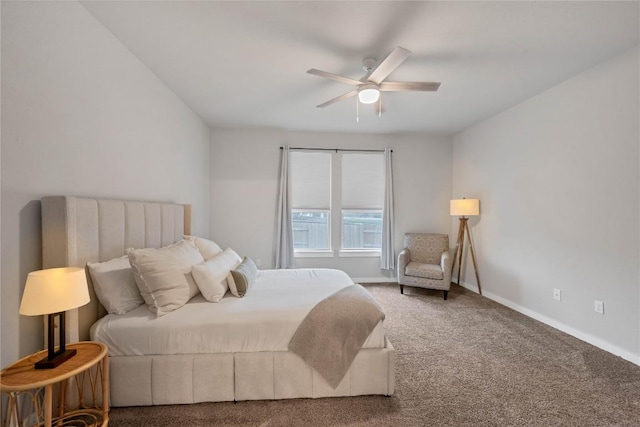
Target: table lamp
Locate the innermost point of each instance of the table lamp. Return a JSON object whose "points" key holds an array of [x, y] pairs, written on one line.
{"points": [[464, 208], [52, 292]]}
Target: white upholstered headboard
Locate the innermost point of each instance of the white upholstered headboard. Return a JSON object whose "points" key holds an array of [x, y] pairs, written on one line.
{"points": [[78, 230]]}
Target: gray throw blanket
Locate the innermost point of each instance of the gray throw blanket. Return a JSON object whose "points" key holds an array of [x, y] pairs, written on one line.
{"points": [[333, 332]]}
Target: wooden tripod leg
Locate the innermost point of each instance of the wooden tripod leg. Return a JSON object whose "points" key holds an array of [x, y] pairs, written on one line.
{"points": [[455, 254], [463, 225], [473, 257]]}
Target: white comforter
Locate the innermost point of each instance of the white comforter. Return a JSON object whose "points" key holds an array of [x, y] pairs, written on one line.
{"points": [[264, 320]]}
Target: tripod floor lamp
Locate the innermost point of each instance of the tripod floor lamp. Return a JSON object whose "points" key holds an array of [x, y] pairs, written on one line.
{"points": [[464, 208]]}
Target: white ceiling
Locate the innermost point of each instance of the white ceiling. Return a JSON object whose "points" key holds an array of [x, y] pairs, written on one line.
{"points": [[243, 64]]}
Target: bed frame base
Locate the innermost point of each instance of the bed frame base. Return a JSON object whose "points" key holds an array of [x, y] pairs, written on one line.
{"points": [[193, 378]]}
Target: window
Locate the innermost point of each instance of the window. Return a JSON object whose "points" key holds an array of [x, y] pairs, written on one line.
{"points": [[346, 185], [361, 230], [362, 201], [311, 200], [310, 229]]}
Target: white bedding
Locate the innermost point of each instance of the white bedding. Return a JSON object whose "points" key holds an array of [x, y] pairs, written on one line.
{"points": [[264, 320]]}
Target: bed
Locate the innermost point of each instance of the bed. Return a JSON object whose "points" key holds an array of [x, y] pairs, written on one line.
{"points": [[157, 368]]}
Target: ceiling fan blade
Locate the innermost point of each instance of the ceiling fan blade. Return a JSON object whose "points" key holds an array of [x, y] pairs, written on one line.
{"points": [[335, 77], [338, 98], [389, 64], [409, 86]]}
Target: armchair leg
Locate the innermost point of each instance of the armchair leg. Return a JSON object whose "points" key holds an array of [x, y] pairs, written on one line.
{"points": [[446, 294], [402, 289]]}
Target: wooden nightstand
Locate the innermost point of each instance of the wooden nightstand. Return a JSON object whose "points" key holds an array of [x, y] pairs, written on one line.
{"points": [[81, 384]]}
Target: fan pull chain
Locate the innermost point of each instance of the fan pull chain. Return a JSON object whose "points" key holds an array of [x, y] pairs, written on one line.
{"points": [[357, 111]]}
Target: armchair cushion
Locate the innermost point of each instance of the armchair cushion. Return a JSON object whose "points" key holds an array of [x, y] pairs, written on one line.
{"points": [[427, 271]]}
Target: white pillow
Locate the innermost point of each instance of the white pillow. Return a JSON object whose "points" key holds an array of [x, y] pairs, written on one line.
{"points": [[208, 248], [213, 276], [114, 285], [164, 276]]}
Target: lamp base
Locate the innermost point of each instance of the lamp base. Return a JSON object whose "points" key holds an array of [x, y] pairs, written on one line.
{"points": [[47, 363]]}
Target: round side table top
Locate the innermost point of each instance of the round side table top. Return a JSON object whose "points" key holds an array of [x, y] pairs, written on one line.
{"points": [[22, 374]]}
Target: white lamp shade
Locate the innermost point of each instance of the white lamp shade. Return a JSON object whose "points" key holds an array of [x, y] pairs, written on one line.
{"points": [[465, 207], [368, 94], [54, 290]]}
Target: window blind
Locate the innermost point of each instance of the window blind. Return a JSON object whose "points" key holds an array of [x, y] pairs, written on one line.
{"points": [[363, 180], [310, 180]]}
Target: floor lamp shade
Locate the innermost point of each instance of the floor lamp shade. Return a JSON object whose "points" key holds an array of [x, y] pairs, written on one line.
{"points": [[465, 207], [52, 292]]}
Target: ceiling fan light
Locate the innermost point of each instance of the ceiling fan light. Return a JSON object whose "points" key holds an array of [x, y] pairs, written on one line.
{"points": [[368, 94]]}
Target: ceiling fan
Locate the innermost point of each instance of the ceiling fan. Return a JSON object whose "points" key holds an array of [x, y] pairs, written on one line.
{"points": [[368, 88]]}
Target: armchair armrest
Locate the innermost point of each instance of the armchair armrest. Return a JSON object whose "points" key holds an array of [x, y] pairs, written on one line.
{"points": [[445, 264], [404, 258]]}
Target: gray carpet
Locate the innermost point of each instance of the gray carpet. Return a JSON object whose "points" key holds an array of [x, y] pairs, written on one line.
{"points": [[466, 361]]}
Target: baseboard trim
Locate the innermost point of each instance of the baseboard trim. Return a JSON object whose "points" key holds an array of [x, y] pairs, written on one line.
{"points": [[588, 338], [374, 279]]}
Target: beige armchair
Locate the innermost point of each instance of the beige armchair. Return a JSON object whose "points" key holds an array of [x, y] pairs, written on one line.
{"points": [[425, 262]]}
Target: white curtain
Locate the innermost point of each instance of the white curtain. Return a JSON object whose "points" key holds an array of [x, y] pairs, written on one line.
{"points": [[387, 254], [284, 233]]}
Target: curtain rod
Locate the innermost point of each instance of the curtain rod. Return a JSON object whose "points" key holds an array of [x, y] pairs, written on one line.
{"points": [[334, 149]]}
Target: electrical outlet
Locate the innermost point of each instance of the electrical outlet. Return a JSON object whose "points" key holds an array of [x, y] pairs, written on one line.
{"points": [[556, 294], [598, 306], [258, 262]]}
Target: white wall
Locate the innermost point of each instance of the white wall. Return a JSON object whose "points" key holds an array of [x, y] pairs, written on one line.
{"points": [[559, 183], [82, 116], [244, 179]]}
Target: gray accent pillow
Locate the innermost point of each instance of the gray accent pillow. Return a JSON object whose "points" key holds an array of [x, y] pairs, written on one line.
{"points": [[244, 277]]}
